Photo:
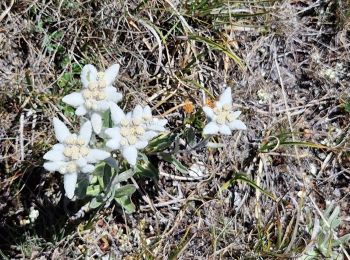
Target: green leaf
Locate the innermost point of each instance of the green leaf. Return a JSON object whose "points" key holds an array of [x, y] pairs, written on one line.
{"points": [[81, 190], [244, 178], [113, 163], [106, 119], [161, 142], [145, 168], [217, 46], [107, 175], [124, 176], [344, 240], [178, 165], [93, 190], [126, 203], [96, 202], [189, 135], [126, 190]]}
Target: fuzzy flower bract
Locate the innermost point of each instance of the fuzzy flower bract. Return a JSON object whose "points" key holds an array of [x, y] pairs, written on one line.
{"points": [[72, 155], [132, 131], [97, 94], [222, 119]]}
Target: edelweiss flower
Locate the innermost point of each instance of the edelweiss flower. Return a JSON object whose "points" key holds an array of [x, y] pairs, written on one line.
{"points": [[96, 95], [72, 154], [222, 119], [153, 125], [132, 131]]}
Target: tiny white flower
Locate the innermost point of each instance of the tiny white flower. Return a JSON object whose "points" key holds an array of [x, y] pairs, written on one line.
{"points": [[72, 155], [97, 94], [33, 214], [132, 131], [222, 119]]}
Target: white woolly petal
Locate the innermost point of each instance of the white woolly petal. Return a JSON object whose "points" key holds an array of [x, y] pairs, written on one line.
{"points": [[81, 162], [141, 144], [147, 111], [70, 180], [54, 155], [81, 110], [161, 122], [225, 130], [85, 132], [113, 95], [117, 113], [89, 168], [209, 112], [236, 114], [58, 147], [113, 132], [149, 135], [88, 74], [226, 97], [237, 125], [102, 105], [211, 129], [96, 155], [53, 166], [111, 73], [130, 154], [128, 115], [157, 125], [96, 121], [74, 99], [61, 130], [113, 143], [138, 111]]}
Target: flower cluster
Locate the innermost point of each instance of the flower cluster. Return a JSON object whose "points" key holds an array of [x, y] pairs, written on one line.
{"points": [[131, 132], [97, 94], [72, 154], [222, 119]]}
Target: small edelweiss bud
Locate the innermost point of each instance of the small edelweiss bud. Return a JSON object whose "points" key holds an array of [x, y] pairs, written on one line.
{"points": [[100, 75], [123, 142], [67, 152], [124, 122], [102, 84], [80, 141], [230, 117], [87, 94], [216, 110], [84, 151], [137, 121], [75, 152], [70, 139], [140, 130], [221, 119], [92, 86], [124, 131], [101, 96], [132, 139]]}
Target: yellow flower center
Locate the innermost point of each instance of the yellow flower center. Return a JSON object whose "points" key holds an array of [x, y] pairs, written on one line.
{"points": [[75, 148], [130, 131], [224, 114]]}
